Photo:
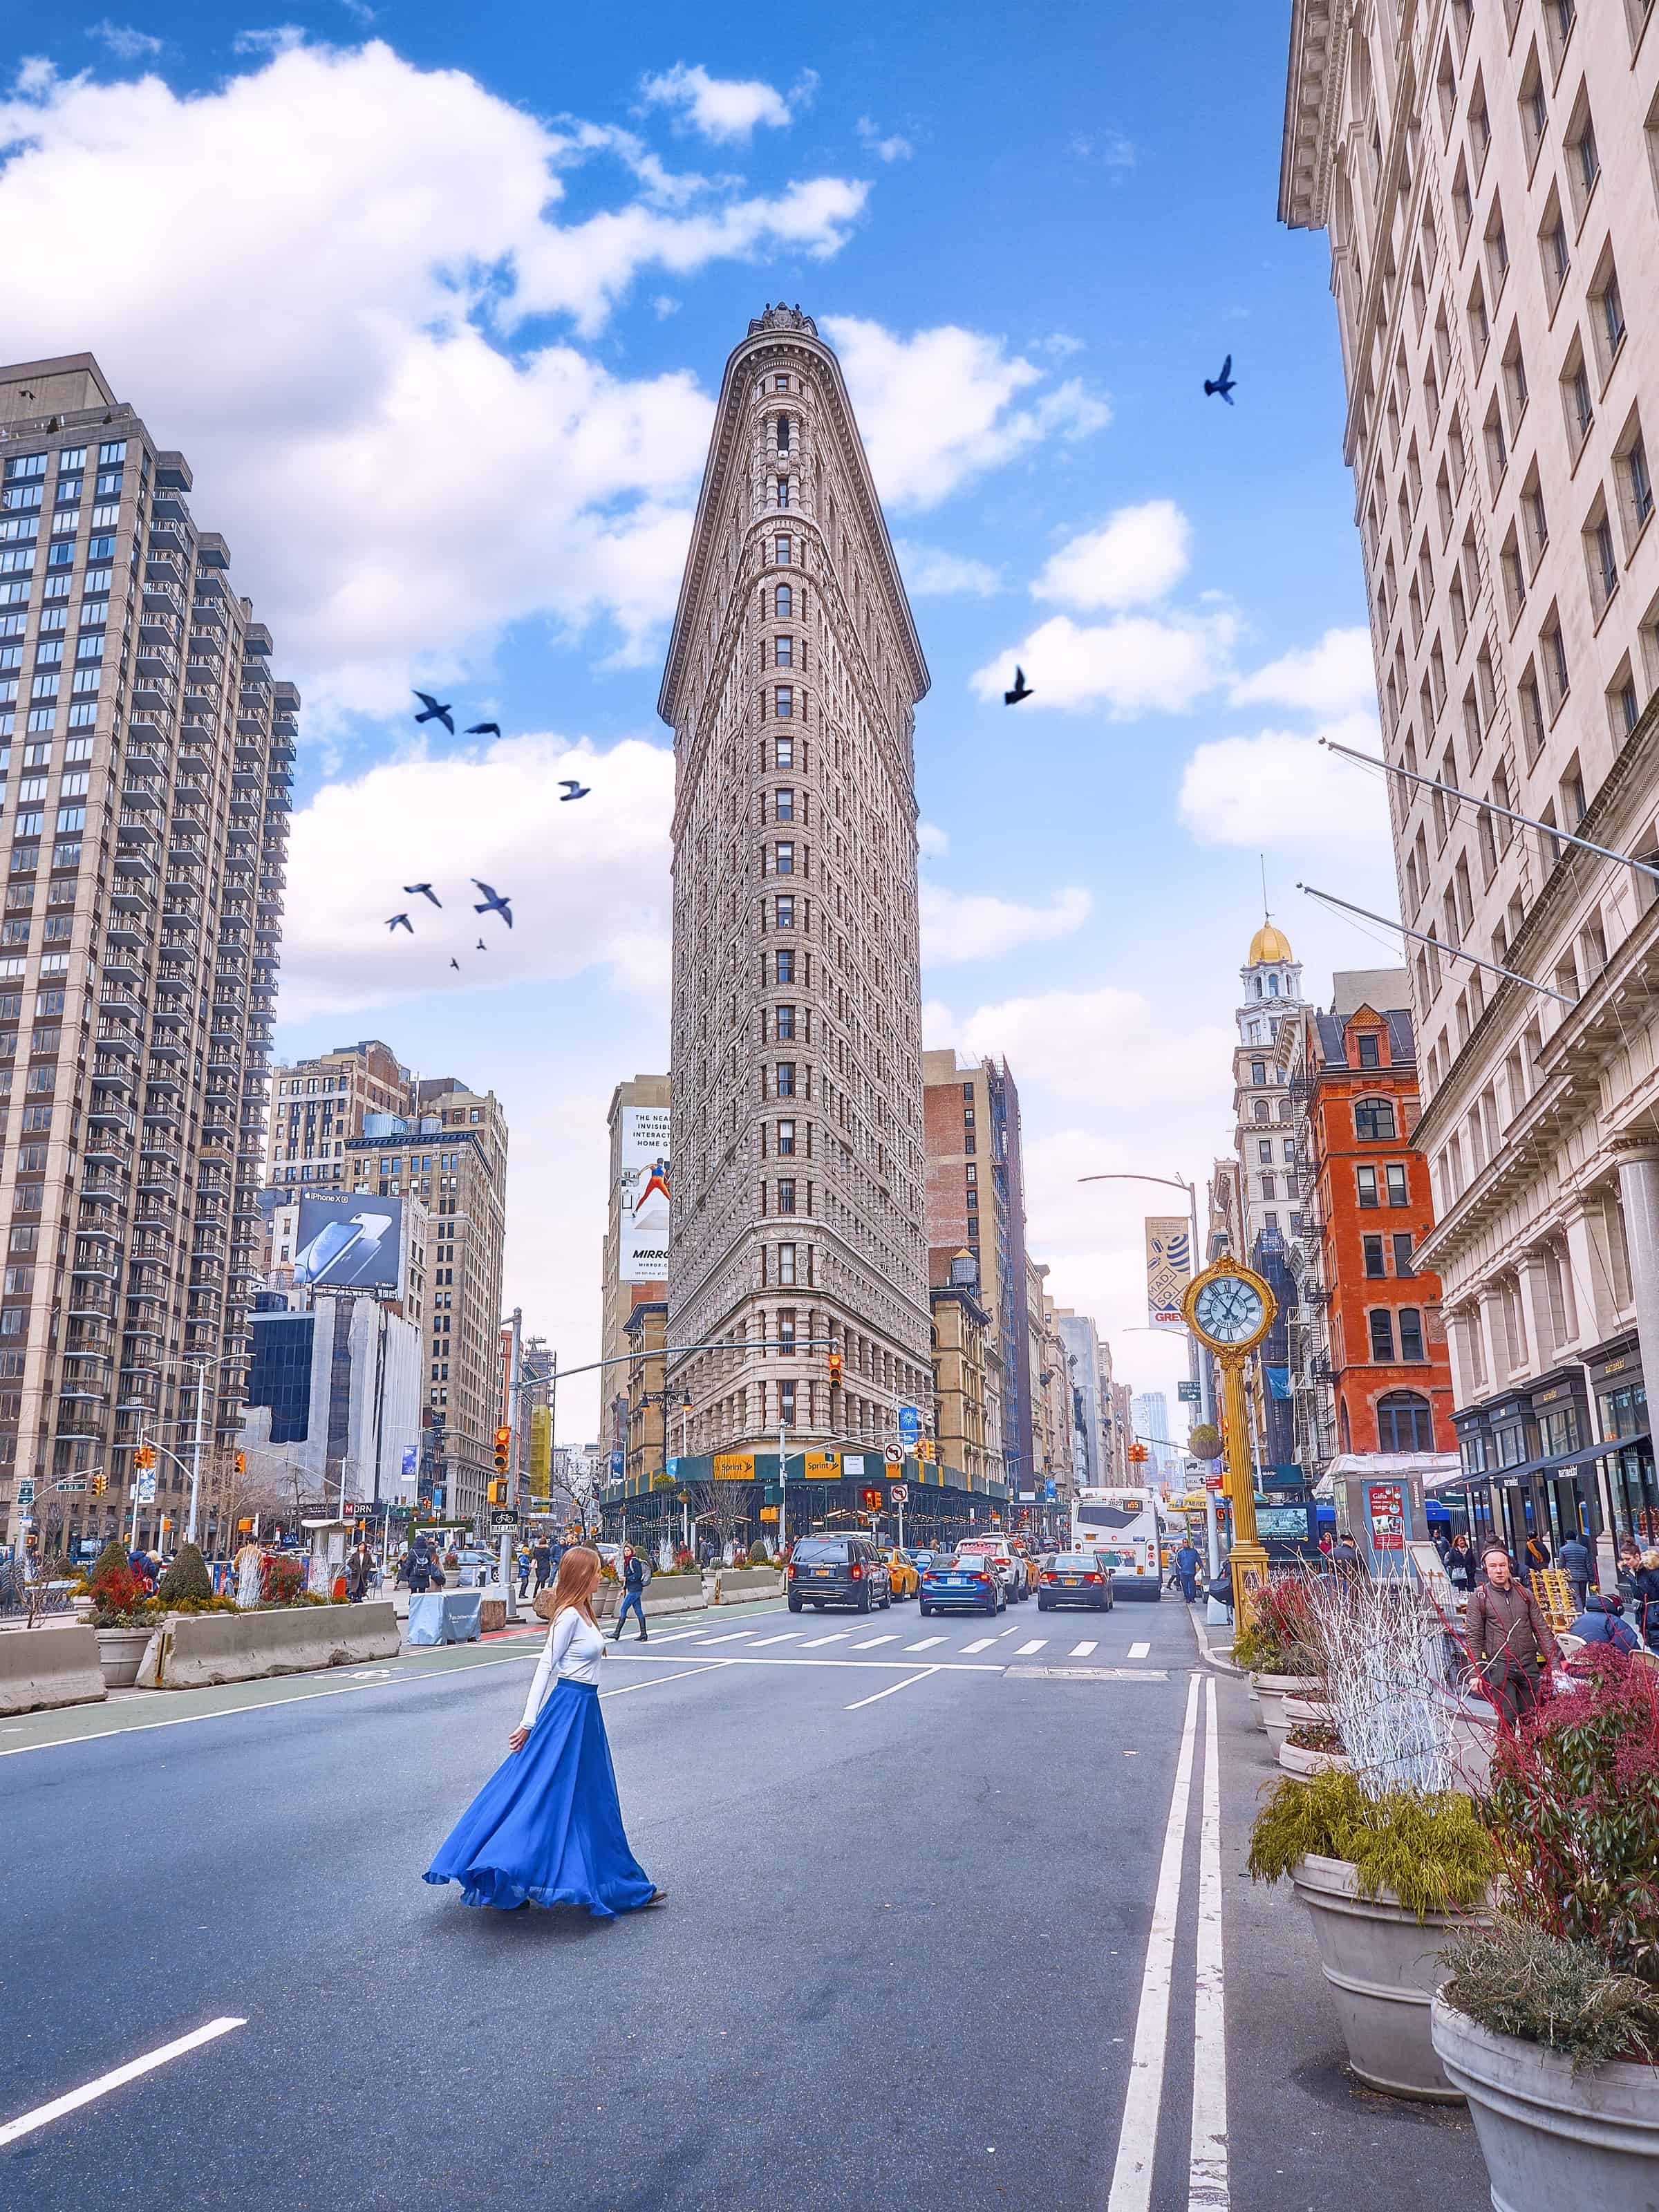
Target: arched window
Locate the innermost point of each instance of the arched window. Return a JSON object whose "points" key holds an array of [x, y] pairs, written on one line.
{"points": [[1259, 1110], [1405, 1422], [1374, 1117], [784, 602], [1273, 987], [1258, 986]]}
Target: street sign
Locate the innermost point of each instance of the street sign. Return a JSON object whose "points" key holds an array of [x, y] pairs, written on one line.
{"points": [[71, 1482], [1188, 1393], [1213, 1482], [1050, 1492], [899, 1494], [893, 1455], [503, 1517], [26, 1491], [910, 1424]]}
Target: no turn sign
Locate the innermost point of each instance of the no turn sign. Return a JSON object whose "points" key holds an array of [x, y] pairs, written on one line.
{"points": [[899, 1494], [893, 1455]]}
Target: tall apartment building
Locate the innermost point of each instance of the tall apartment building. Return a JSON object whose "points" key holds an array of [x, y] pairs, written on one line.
{"points": [[318, 1104], [792, 675], [1262, 1139], [976, 1195], [967, 1374], [1485, 176], [146, 853], [635, 1233], [1082, 1342]]}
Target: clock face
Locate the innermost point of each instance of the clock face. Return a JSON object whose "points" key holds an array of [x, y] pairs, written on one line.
{"points": [[1229, 1310]]}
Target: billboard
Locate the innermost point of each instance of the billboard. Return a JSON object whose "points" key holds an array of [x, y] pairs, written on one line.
{"points": [[541, 1450], [643, 1201], [354, 1243], [1168, 1268]]}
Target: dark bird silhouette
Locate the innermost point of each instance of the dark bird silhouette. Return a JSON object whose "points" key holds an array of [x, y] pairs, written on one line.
{"points": [[573, 789], [401, 922], [1021, 689], [426, 891], [484, 730], [494, 902], [455, 964], [481, 946], [1222, 384], [434, 712]]}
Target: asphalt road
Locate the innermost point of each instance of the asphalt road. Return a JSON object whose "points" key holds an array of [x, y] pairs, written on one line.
{"points": [[906, 1960]]}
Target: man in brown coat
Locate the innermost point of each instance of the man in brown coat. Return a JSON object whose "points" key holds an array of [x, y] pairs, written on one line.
{"points": [[1508, 1638]]}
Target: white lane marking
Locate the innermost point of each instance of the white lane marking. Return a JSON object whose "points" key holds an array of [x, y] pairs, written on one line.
{"points": [[892, 1688], [678, 1635], [1138, 1651], [732, 1636], [1024, 1650], [925, 1645], [788, 1636], [983, 1644], [1208, 2188], [27, 2122], [1131, 2175], [813, 1642], [1082, 1650], [871, 1642], [1008, 1632], [652, 1681]]}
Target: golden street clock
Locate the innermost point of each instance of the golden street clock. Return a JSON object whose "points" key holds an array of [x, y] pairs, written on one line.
{"points": [[1230, 1308]]}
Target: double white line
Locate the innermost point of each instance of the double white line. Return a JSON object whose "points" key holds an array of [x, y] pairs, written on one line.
{"points": [[1207, 2188]]}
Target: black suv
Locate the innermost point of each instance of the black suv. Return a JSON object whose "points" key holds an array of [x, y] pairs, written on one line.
{"points": [[838, 1570]]}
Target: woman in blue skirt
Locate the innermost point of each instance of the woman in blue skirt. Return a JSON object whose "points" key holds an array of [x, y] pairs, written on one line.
{"points": [[546, 1828]]}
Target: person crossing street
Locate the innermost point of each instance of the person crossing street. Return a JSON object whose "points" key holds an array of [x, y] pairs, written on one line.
{"points": [[633, 1580]]}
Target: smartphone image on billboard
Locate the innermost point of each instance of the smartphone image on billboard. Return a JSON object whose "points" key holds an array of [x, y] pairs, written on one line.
{"points": [[343, 1251]]}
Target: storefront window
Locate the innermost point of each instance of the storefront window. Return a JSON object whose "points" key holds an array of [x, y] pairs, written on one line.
{"points": [[1624, 1412], [1558, 1432], [1474, 1449], [1511, 1442]]}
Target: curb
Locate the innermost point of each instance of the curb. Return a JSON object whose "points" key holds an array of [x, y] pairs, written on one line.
{"points": [[1207, 1652]]}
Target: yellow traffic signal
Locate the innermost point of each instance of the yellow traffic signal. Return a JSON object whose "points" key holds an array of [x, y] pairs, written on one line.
{"points": [[834, 1365], [241, 1462], [144, 1456], [503, 1449]]}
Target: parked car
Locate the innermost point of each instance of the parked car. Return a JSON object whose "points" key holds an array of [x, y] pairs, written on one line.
{"points": [[1010, 1567], [1075, 1578], [838, 1570], [970, 1582], [902, 1574], [475, 1567]]}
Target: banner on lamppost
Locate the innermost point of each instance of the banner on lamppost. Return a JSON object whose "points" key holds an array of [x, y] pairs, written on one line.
{"points": [[1168, 1268], [541, 1450]]}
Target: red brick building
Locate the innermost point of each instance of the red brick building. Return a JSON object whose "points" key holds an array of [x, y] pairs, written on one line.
{"points": [[1388, 1366]]}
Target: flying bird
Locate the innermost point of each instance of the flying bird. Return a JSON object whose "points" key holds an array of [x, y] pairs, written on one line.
{"points": [[434, 712], [401, 922], [494, 902], [1222, 384], [481, 946], [455, 964], [426, 891], [1021, 689], [484, 730], [573, 789]]}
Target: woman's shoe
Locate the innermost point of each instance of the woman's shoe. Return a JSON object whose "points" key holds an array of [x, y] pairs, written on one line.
{"points": [[657, 1897]]}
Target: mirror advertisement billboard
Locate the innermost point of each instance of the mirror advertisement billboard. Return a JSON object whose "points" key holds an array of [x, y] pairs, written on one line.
{"points": [[643, 1209], [354, 1243]]}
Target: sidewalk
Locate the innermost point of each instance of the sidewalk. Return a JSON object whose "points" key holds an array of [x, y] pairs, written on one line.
{"points": [[1303, 2131]]}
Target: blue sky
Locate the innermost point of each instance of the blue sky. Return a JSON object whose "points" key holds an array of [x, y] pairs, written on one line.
{"points": [[437, 303]]}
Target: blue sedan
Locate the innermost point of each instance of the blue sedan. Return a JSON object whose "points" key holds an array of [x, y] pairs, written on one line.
{"points": [[969, 1585]]}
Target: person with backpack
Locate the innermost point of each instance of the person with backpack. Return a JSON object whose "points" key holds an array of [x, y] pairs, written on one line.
{"points": [[1574, 1560], [1510, 1642], [1187, 1564], [634, 1576], [1601, 1621]]}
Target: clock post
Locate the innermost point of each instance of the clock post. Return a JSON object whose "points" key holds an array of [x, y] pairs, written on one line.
{"points": [[1231, 1308]]}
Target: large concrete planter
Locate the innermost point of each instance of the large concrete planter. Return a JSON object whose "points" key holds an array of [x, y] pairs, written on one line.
{"points": [[1308, 1712], [1272, 1689], [1383, 1967], [194, 1651], [732, 1583], [120, 1652], [1297, 1759], [1550, 2137]]}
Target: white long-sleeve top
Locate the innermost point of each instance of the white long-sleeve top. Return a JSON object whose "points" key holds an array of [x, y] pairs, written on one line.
{"points": [[574, 1650]]}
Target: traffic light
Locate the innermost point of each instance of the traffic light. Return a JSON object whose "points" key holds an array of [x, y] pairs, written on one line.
{"points": [[503, 1449], [873, 1500], [834, 1365], [144, 1456], [241, 1462], [498, 1493], [99, 1485]]}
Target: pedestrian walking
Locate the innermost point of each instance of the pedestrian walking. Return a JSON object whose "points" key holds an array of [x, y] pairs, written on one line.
{"points": [[543, 1558], [1460, 1563], [420, 1571], [1508, 1638], [1537, 1555], [524, 1570], [1187, 1566], [634, 1579], [1345, 1559], [1644, 1588], [1574, 1560], [358, 1565], [547, 1826]]}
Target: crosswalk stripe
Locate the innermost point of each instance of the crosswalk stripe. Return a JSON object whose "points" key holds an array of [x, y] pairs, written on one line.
{"points": [[925, 1645], [732, 1636], [1082, 1650], [788, 1636], [1025, 1650], [1138, 1651], [871, 1642], [982, 1643], [813, 1642]]}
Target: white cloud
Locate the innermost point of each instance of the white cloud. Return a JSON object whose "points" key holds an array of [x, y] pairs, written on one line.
{"points": [[1138, 665], [1335, 677], [893, 149], [123, 41], [940, 408], [1139, 555], [1283, 787], [588, 880], [931, 573], [1108, 148], [396, 489], [282, 38], [1080, 1044], [957, 925], [728, 110], [932, 843]]}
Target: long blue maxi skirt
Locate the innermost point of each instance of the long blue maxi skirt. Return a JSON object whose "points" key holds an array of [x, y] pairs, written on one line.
{"points": [[547, 1827]]}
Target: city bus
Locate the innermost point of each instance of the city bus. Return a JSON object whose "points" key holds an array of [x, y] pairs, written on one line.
{"points": [[1127, 1527]]}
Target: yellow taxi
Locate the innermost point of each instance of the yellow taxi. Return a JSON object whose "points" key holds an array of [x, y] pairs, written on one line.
{"points": [[905, 1580]]}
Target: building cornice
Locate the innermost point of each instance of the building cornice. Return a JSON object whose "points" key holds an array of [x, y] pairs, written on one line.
{"points": [[1313, 103], [780, 334]]}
